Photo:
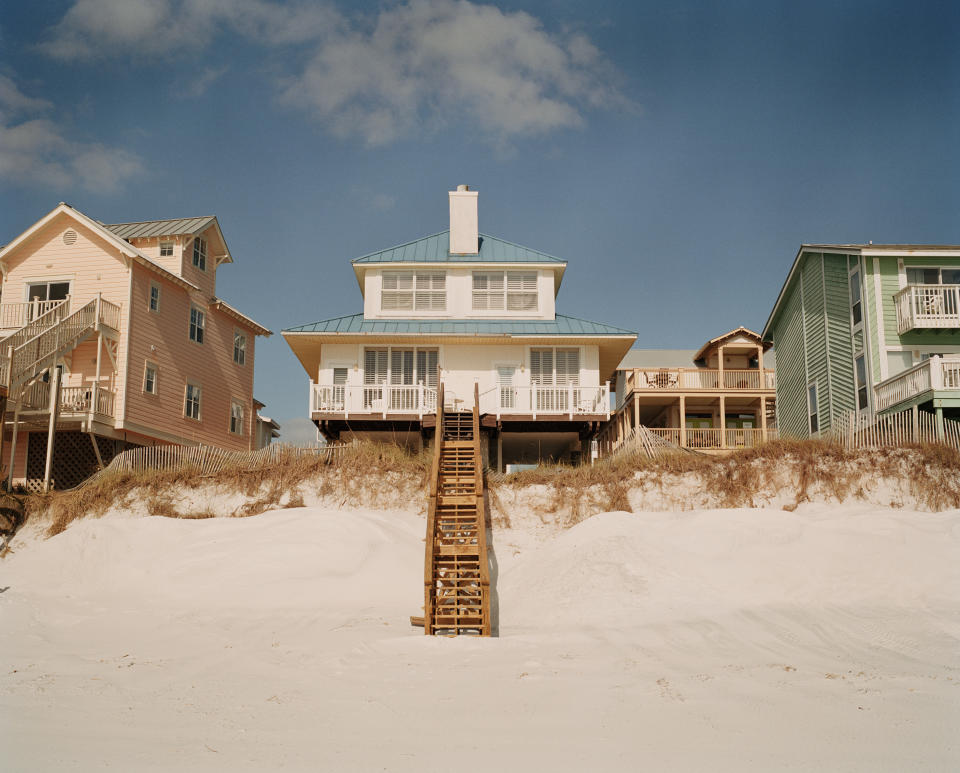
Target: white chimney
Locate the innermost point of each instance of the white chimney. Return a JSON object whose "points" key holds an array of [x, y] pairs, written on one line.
{"points": [[464, 225]]}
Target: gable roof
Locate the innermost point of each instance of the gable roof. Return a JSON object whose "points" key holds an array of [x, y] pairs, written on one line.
{"points": [[436, 249], [184, 226], [919, 250], [740, 331], [561, 326]]}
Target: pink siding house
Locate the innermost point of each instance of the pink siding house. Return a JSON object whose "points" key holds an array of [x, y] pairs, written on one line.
{"points": [[123, 323]]}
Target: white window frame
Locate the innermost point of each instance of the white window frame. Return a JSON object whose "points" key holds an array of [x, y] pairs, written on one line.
{"points": [[197, 325], [199, 401], [938, 268], [498, 295], [865, 386], [166, 245], [419, 291], [150, 298], [199, 259], [855, 325], [149, 365], [234, 406], [239, 352]]}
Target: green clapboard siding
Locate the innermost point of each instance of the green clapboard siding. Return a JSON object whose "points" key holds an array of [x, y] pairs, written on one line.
{"points": [[791, 379], [837, 308], [811, 275]]}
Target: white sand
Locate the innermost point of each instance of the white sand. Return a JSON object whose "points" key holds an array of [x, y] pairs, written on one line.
{"points": [[824, 639]]}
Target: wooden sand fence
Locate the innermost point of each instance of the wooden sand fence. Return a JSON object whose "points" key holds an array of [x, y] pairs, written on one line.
{"points": [[642, 440], [208, 460], [855, 431]]}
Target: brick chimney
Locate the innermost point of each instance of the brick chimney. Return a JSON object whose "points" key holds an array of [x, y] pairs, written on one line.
{"points": [[464, 225]]}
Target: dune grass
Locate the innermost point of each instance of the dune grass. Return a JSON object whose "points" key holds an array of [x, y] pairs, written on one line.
{"points": [[800, 469]]}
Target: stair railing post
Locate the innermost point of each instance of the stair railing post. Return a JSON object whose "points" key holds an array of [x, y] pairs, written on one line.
{"points": [[51, 429]]}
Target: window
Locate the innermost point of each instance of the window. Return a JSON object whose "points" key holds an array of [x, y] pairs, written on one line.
{"points": [[860, 364], [166, 249], [191, 405], [511, 290], [414, 291], [552, 370], [154, 304], [933, 276], [399, 367], [150, 378], [812, 408], [200, 254], [239, 347], [236, 418], [855, 300], [196, 325]]}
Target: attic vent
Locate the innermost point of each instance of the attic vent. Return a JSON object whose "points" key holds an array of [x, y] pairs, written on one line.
{"points": [[69, 237]]}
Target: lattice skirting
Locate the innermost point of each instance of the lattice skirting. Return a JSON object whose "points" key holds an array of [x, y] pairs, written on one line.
{"points": [[73, 458]]}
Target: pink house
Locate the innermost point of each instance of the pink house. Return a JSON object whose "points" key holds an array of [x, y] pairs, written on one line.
{"points": [[124, 323]]}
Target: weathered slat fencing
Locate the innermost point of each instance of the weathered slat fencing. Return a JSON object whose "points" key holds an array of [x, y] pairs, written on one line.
{"points": [[855, 431], [646, 442], [207, 460]]}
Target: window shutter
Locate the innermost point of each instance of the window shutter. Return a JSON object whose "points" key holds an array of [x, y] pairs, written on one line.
{"points": [[375, 366]]}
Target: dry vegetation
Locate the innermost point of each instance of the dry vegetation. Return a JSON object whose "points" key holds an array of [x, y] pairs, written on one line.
{"points": [[384, 475]]}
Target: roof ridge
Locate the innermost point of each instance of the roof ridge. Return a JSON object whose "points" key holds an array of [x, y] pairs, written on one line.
{"points": [[158, 220], [524, 247], [398, 246]]}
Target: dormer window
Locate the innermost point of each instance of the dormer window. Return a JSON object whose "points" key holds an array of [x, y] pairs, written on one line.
{"points": [[200, 254], [166, 249], [511, 290], [414, 291]]}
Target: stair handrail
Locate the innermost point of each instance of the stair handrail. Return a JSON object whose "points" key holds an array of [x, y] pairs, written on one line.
{"points": [[484, 565], [478, 476], [437, 443], [428, 589], [38, 358], [38, 323]]}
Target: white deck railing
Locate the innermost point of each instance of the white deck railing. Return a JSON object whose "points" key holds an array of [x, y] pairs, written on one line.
{"points": [[927, 306], [681, 379], [935, 373], [715, 437], [535, 400], [384, 399], [73, 400], [16, 315]]}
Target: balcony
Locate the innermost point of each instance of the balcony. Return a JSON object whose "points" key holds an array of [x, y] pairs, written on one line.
{"points": [[15, 315], [925, 307], [74, 401], [937, 373], [715, 437], [652, 380], [538, 401], [373, 399]]}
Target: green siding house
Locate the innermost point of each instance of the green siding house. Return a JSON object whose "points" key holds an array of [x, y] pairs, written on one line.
{"points": [[868, 329]]}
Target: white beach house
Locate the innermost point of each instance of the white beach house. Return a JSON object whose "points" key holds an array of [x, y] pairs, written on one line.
{"points": [[468, 309]]}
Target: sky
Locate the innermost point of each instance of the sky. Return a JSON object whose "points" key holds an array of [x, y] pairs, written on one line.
{"points": [[675, 153]]}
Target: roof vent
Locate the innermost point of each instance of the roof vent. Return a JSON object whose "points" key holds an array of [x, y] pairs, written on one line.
{"points": [[69, 237]]}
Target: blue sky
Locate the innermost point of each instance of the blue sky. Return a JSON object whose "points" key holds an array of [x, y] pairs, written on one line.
{"points": [[676, 153]]}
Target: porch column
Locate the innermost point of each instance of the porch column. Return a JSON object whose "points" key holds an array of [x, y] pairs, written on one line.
{"points": [[683, 421], [723, 420], [760, 364], [13, 442], [52, 427], [763, 416], [940, 428], [720, 383], [636, 413]]}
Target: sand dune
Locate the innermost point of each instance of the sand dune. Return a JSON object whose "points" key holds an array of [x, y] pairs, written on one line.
{"points": [[823, 639]]}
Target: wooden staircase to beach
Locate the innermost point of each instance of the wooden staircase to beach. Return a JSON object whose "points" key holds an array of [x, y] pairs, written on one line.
{"points": [[456, 574]]}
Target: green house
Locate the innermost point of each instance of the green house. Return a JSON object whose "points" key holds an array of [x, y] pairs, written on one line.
{"points": [[866, 328]]}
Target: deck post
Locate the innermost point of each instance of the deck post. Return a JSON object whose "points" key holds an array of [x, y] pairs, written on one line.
{"points": [[52, 427], [13, 442], [636, 414], [940, 425], [723, 420], [720, 379], [683, 421], [763, 414], [499, 450]]}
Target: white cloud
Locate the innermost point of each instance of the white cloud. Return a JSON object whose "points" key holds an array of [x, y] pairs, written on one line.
{"points": [[412, 68], [199, 85], [430, 63], [35, 151], [93, 29]]}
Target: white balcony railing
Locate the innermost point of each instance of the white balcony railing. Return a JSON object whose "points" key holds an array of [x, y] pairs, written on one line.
{"points": [[716, 437], [684, 379], [16, 315], [384, 399], [73, 400], [935, 373], [535, 400], [927, 306]]}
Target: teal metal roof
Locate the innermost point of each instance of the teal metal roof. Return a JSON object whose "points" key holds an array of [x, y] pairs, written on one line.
{"points": [[561, 326], [436, 249]]}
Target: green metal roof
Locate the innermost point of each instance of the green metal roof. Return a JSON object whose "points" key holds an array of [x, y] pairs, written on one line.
{"points": [[561, 326], [147, 228], [436, 249]]}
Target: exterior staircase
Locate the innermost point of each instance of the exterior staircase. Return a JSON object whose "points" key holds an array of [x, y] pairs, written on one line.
{"points": [[33, 349], [456, 572]]}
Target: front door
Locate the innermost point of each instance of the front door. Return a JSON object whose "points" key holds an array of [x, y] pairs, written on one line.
{"points": [[506, 389]]}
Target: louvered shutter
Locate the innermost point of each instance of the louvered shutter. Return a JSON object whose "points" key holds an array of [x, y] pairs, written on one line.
{"points": [[568, 367], [521, 291], [541, 366], [375, 366]]}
